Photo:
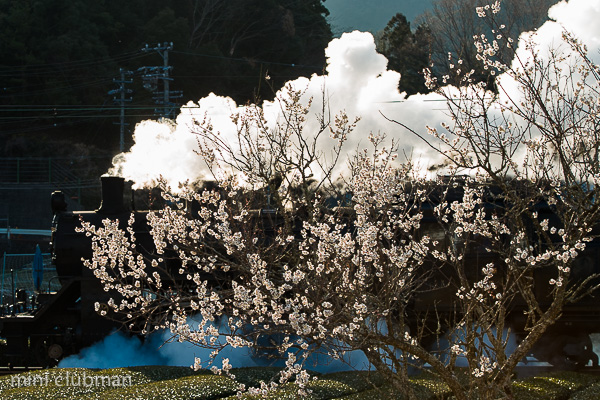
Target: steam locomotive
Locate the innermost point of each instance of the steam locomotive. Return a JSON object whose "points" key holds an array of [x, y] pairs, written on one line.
{"points": [[61, 323], [64, 322]]}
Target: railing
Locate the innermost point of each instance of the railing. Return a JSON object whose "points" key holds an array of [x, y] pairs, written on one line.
{"points": [[17, 273]]}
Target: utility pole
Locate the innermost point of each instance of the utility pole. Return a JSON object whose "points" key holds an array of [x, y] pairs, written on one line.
{"points": [[121, 101], [151, 76]]}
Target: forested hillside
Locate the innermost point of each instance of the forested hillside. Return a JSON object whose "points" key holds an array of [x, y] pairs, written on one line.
{"points": [[59, 60]]}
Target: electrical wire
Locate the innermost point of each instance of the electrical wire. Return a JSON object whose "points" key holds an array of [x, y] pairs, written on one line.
{"points": [[45, 69], [241, 59], [42, 114]]}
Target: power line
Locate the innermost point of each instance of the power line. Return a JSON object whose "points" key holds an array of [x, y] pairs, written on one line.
{"points": [[245, 60], [87, 84], [52, 108], [48, 116], [43, 69]]}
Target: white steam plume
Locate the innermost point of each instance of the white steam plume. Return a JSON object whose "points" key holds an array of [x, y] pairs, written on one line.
{"points": [[357, 81], [159, 349]]}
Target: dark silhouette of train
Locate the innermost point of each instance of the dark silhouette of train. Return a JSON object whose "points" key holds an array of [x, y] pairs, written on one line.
{"points": [[63, 322]]}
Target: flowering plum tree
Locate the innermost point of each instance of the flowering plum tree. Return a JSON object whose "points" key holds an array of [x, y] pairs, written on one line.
{"points": [[533, 144], [384, 259]]}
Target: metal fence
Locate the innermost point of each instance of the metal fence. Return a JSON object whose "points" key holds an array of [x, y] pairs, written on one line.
{"points": [[17, 274]]}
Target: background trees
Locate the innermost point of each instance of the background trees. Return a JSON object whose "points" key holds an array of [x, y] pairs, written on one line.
{"points": [[445, 34], [59, 56], [407, 52], [453, 24]]}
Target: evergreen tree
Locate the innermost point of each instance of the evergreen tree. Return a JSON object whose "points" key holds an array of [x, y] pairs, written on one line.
{"points": [[407, 52]]}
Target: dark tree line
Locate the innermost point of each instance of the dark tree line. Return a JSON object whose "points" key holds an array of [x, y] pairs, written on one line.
{"points": [[57, 56]]}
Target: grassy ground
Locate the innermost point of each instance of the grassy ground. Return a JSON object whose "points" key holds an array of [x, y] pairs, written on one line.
{"points": [[180, 383]]}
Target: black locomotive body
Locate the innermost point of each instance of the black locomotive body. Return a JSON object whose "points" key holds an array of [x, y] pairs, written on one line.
{"points": [[567, 344], [64, 322]]}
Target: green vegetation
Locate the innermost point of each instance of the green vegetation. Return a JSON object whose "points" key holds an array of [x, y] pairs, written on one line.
{"points": [[153, 383]]}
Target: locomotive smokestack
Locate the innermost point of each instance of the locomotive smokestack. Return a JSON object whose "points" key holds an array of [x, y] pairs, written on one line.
{"points": [[112, 195]]}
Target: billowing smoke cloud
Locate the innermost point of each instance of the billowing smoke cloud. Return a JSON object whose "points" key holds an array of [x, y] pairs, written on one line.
{"points": [[157, 349], [579, 17], [575, 17], [131, 353], [357, 81], [119, 350]]}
